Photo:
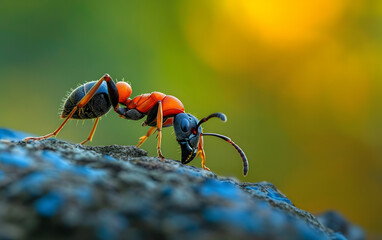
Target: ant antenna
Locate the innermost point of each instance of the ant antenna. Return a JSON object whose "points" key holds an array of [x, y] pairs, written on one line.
{"points": [[221, 116], [238, 149]]}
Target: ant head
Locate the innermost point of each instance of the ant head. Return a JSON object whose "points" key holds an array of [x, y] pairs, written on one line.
{"points": [[188, 130], [187, 134], [124, 91]]}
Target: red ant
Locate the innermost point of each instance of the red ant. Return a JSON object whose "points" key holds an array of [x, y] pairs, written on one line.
{"points": [[94, 99]]}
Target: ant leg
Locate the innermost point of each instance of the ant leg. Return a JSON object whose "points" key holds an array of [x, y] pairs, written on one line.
{"points": [[202, 153], [79, 105], [53, 134], [166, 123], [144, 138], [159, 127], [93, 90], [91, 133]]}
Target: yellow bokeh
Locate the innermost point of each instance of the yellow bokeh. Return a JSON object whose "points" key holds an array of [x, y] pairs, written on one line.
{"points": [[283, 24], [233, 35], [292, 43]]}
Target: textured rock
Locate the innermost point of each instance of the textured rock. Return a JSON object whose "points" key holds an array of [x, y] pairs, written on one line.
{"points": [[338, 223], [54, 189]]}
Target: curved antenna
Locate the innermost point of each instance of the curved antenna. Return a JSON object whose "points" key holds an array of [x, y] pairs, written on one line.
{"points": [[238, 149], [221, 116]]}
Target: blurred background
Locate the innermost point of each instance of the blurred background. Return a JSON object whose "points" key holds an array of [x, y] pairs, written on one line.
{"points": [[300, 82]]}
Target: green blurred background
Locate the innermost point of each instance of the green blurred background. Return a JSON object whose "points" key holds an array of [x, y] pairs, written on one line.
{"points": [[300, 82]]}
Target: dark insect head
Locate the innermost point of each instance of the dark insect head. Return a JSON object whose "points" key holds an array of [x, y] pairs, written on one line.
{"points": [[188, 130], [187, 134]]}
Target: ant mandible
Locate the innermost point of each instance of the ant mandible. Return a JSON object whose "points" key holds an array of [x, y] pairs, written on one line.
{"points": [[94, 99]]}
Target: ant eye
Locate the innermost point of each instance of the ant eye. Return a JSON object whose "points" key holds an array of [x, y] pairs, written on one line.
{"points": [[185, 125]]}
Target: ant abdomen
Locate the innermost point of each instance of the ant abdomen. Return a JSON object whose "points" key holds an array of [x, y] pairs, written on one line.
{"points": [[98, 106]]}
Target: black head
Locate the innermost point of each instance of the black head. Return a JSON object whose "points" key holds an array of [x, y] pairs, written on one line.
{"points": [[188, 130], [187, 134]]}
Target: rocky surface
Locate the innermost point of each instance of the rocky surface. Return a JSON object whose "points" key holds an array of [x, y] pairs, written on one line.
{"points": [[53, 189]]}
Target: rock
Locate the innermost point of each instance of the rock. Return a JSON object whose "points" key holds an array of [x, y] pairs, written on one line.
{"points": [[53, 189], [338, 223]]}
